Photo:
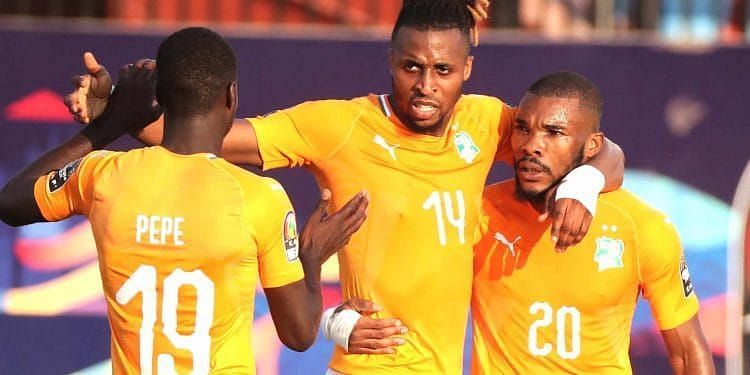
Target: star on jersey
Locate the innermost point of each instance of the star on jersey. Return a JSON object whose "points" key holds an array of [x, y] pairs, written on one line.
{"points": [[612, 228], [465, 147], [499, 237], [380, 141], [608, 253]]}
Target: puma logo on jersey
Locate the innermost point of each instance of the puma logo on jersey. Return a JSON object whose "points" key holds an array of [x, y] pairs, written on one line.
{"points": [[380, 141], [499, 237]]}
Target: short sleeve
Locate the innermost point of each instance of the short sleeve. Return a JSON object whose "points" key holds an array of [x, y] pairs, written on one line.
{"points": [[278, 242], [664, 273], [304, 134], [70, 190], [505, 129]]}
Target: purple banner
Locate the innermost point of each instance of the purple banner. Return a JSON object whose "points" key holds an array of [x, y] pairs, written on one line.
{"points": [[680, 117]]}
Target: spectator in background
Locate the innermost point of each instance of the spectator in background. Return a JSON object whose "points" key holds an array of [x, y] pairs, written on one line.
{"points": [[697, 20], [558, 19]]}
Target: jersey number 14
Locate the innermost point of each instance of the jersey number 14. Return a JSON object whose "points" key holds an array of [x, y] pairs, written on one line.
{"points": [[143, 281], [444, 211]]}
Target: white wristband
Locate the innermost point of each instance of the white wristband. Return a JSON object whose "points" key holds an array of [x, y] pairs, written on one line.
{"points": [[338, 326], [325, 322], [583, 184]]}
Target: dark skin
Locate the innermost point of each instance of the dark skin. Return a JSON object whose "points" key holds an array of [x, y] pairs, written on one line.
{"points": [[296, 307], [428, 69], [557, 124], [549, 136]]}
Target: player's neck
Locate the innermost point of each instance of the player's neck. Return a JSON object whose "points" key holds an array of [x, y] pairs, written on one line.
{"points": [[192, 135], [537, 203]]}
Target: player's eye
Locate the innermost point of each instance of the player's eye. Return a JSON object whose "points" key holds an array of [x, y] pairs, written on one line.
{"points": [[555, 133], [443, 69], [411, 67], [521, 128]]}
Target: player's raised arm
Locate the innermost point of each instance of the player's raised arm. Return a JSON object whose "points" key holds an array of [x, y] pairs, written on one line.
{"points": [[688, 350], [17, 203], [296, 308], [91, 94]]}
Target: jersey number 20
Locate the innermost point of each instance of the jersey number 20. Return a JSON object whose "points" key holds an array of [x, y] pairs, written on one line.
{"points": [[143, 280], [564, 330]]}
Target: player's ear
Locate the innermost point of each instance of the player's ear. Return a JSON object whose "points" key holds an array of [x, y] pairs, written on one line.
{"points": [[593, 144], [231, 96], [468, 66]]}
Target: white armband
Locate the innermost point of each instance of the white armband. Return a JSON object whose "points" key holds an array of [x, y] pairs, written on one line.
{"points": [[583, 184], [338, 326]]}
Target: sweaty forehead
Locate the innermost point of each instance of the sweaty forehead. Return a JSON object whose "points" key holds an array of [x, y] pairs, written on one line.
{"points": [[430, 44], [552, 110]]}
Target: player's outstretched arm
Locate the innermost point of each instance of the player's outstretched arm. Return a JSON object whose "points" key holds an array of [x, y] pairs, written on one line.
{"points": [[90, 96], [240, 144], [296, 308], [17, 203], [688, 350]]}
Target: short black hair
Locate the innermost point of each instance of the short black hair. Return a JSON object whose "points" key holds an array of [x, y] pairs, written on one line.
{"points": [[570, 85], [194, 67], [425, 15]]}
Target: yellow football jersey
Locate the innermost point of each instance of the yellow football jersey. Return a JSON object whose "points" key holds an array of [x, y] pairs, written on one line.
{"points": [[536, 311], [413, 255], [181, 240]]}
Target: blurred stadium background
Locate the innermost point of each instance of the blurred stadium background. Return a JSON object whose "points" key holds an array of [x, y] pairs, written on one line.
{"points": [[673, 73]]}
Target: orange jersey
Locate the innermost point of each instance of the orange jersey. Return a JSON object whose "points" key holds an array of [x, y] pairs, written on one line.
{"points": [[536, 311], [413, 255], [181, 240]]}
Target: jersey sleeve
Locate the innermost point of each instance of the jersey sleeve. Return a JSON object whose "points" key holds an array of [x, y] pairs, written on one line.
{"points": [[278, 241], [665, 278], [304, 134], [505, 129], [69, 190]]}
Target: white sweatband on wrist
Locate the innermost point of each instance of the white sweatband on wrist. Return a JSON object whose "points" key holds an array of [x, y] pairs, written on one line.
{"points": [[325, 322], [583, 184], [338, 326]]}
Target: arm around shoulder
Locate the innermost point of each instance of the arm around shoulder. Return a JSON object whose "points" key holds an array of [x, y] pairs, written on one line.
{"points": [[611, 162]]}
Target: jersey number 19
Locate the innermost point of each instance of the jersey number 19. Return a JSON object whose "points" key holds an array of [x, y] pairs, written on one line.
{"points": [[143, 281]]}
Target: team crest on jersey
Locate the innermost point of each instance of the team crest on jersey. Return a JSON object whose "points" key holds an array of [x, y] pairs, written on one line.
{"points": [[687, 284], [62, 175], [465, 147], [608, 253], [290, 237]]}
